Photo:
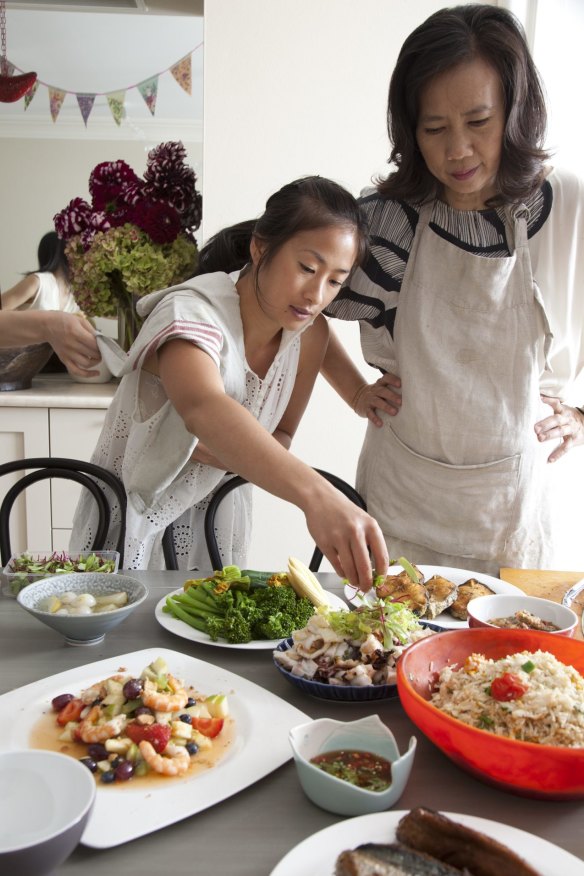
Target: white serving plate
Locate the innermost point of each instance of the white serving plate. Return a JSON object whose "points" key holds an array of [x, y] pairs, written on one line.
{"points": [[125, 812], [457, 576], [182, 629], [316, 855]]}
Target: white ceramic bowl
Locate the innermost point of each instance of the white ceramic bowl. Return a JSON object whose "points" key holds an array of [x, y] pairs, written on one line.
{"points": [[45, 803], [367, 734], [86, 629], [484, 609]]}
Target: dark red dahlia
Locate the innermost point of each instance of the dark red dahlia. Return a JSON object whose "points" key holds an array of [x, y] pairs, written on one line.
{"points": [[74, 219], [160, 221], [107, 182], [169, 179]]}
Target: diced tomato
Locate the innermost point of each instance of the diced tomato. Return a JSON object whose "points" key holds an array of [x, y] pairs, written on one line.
{"points": [[70, 712], [508, 687], [208, 726], [157, 735]]}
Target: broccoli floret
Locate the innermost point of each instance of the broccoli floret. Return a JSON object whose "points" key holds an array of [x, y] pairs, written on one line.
{"points": [[215, 626], [280, 612], [236, 628]]}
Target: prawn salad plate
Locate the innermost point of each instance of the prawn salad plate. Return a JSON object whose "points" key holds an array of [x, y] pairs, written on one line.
{"points": [[126, 810], [440, 595], [317, 855]]}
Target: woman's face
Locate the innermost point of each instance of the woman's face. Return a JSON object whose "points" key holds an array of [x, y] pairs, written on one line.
{"points": [[305, 274], [460, 130]]}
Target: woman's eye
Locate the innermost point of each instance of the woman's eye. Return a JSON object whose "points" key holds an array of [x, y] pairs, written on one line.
{"points": [[478, 123], [335, 283], [307, 269], [432, 131]]}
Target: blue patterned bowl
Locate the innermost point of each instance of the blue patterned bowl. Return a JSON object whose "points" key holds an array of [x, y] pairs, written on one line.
{"points": [[87, 629]]}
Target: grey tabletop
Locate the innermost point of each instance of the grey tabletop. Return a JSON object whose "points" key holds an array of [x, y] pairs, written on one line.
{"points": [[248, 834]]}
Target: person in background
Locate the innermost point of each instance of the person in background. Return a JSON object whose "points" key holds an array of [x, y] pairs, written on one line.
{"points": [[45, 289], [470, 304], [71, 336], [217, 382]]}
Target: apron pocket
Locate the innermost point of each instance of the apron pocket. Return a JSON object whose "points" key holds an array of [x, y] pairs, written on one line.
{"points": [[461, 510]]}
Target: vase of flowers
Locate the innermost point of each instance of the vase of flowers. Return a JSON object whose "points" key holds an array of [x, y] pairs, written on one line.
{"points": [[136, 235]]}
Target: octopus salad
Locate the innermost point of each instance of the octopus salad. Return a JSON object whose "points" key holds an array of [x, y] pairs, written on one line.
{"points": [[352, 648]]}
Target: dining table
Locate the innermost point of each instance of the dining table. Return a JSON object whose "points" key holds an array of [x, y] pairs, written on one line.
{"points": [[248, 833]]}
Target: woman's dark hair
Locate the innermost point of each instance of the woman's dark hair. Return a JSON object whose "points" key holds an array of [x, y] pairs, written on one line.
{"points": [[303, 205], [51, 254], [447, 38]]}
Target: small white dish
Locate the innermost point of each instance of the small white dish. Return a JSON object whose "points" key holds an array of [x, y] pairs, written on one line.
{"points": [[484, 609], [45, 804], [367, 734]]}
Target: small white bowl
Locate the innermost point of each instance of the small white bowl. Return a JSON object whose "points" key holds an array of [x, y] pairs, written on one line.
{"points": [[45, 803], [87, 629], [336, 795], [484, 609]]}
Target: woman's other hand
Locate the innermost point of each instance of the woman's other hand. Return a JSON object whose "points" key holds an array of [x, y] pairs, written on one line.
{"points": [[72, 337], [383, 395], [566, 424]]}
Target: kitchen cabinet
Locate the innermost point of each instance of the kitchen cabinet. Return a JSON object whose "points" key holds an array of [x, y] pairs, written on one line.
{"points": [[56, 417]]}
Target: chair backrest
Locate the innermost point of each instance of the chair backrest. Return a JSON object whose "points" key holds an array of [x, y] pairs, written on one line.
{"points": [[89, 475], [237, 481]]}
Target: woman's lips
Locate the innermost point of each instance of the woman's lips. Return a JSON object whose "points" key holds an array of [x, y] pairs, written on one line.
{"points": [[463, 175], [300, 314]]}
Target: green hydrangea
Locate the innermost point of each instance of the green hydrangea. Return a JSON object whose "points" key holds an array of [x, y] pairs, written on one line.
{"points": [[124, 262]]}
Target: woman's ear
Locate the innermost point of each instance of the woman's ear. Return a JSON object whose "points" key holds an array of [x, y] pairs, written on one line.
{"points": [[256, 249]]}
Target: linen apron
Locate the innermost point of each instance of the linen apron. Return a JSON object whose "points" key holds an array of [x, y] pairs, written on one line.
{"points": [[456, 477]]}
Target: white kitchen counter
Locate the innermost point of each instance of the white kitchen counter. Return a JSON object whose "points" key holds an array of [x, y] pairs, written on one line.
{"points": [[60, 391]]}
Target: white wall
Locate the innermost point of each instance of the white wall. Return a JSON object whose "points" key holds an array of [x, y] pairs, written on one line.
{"points": [[292, 89]]}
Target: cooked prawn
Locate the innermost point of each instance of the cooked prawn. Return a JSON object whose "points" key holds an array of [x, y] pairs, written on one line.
{"points": [[161, 701], [173, 762], [89, 730], [99, 691]]}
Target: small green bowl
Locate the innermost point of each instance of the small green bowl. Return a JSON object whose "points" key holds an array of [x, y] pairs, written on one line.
{"points": [[336, 795]]}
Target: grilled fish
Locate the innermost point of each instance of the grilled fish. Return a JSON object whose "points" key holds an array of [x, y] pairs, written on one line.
{"points": [[391, 860], [431, 832], [466, 592], [401, 588], [441, 594]]}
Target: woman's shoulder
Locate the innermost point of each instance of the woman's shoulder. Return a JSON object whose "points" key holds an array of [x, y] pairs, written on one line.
{"points": [[566, 185]]}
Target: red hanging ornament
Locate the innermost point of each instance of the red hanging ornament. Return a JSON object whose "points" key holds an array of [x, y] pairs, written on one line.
{"points": [[12, 88]]}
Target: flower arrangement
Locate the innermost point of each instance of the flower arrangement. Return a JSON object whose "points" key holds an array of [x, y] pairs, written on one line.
{"points": [[136, 236]]}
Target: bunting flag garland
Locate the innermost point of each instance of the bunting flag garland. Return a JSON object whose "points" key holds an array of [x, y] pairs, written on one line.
{"points": [[148, 88], [56, 98], [85, 102], [182, 73], [149, 91], [30, 94], [116, 104]]}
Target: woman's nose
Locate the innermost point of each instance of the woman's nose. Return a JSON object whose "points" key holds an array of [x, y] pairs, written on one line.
{"points": [[316, 290], [458, 146]]}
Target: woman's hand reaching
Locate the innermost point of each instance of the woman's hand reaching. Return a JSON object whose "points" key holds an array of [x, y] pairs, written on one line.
{"points": [[384, 395], [566, 424]]}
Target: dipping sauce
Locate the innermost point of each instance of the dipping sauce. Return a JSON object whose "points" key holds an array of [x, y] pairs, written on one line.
{"points": [[524, 620], [362, 768]]}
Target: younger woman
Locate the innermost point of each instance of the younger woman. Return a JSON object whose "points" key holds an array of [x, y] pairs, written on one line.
{"points": [[218, 380]]}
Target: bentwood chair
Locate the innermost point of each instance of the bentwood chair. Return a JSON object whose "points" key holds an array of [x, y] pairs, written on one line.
{"points": [[237, 481], [92, 477]]}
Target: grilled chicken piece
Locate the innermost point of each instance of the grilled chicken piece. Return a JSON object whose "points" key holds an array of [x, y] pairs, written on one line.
{"points": [[401, 588], [441, 594], [391, 860], [460, 846], [466, 592]]}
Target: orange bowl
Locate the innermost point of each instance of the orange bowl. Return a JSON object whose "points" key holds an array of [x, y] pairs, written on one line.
{"points": [[525, 768]]}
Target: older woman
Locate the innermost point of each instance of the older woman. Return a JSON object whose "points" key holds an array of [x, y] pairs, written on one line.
{"points": [[470, 303]]}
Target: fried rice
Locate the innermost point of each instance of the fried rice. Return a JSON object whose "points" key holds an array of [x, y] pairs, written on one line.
{"points": [[549, 712]]}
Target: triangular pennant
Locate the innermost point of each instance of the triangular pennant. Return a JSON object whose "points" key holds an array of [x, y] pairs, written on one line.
{"points": [[56, 98], [85, 102], [30, 94], [116, 104], [149, 91], [182, 73]]}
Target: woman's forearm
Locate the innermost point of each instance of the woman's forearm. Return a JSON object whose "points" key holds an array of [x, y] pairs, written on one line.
{"points": [[340, 371]]}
